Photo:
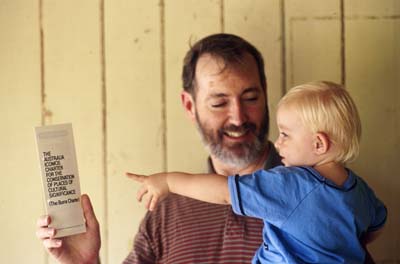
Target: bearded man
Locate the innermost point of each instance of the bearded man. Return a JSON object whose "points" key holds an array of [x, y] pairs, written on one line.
{"points": [[225, 96]]}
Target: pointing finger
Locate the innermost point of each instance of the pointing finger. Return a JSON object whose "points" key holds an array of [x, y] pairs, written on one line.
{"points": [[136, 177]]}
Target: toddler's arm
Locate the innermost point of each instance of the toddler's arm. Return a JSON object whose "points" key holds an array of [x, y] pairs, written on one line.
{"points": [[212, 188]]}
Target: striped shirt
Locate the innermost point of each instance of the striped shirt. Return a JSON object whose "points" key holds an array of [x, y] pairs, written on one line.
{"points": [[184, 230]]}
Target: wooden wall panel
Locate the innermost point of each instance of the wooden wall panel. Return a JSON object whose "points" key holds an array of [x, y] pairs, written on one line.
{"points": [[313, 41], [123, 95], [265, 32], [372, 77], [21, 190], [73, 90], [186, 21], [134, 124]]}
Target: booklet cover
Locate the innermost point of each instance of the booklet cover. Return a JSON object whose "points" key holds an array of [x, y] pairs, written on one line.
{"points": [[60, 178]]}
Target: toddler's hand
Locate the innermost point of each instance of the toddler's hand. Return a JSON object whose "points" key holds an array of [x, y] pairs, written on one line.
{"points": [[155, 185]]}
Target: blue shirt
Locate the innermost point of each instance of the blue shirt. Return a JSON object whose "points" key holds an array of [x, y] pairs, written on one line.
{"points": [[307, 218]]}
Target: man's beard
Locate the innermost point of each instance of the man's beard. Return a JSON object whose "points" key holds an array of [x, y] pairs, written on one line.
{"points": [[238, 155]]}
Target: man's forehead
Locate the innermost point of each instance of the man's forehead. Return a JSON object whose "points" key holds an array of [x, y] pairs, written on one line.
{"points": [[212, 72], [210, 64]]}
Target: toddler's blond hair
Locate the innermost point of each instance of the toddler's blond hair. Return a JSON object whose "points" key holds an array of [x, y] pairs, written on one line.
{"points": [[328, 108]]}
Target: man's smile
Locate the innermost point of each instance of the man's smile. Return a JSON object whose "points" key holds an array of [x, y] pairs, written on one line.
{"points": [[236, 134]]}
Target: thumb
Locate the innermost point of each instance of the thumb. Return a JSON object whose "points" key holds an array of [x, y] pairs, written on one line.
{"points": [[136, 177], [91, 220]]}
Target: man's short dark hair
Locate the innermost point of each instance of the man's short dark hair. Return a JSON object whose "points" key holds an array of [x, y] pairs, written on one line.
{"points": [[230, 48]]}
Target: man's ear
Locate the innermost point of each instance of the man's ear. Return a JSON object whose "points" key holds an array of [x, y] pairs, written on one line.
{"points": [[188, 105], [321, 143]]}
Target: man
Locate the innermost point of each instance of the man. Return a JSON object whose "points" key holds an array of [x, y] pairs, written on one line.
{"points": [[225, 96]]}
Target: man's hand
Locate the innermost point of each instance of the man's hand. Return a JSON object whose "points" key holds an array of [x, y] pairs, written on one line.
{"points": [[80, 248], [155, 186]]}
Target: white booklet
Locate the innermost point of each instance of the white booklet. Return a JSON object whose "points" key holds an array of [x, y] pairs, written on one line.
{"points": [[60, 178]]}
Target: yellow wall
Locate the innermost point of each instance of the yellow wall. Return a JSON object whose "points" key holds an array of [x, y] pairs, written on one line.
{"points": [[112, 68]]}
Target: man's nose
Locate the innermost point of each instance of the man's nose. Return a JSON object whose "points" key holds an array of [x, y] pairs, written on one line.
{"points": [[237, 115]]}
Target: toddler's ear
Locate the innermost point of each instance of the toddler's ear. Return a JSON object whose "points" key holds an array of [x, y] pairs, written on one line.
{"points": [[321, 143]]}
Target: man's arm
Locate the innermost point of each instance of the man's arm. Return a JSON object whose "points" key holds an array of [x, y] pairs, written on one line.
{"points": [[212, 188]]}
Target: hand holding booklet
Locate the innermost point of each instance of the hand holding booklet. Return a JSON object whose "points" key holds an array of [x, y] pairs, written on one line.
{"points": [[60, 178]]}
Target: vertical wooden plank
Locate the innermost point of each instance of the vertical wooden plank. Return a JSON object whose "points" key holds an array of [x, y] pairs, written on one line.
{"points": [[265, 33], [72, 58], [313, 35], [186, 21], [20, 192], [373, 66], [134, 125]]}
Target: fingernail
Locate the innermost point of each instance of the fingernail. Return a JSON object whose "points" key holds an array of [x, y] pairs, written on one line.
{"points": [[50, 232]]}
